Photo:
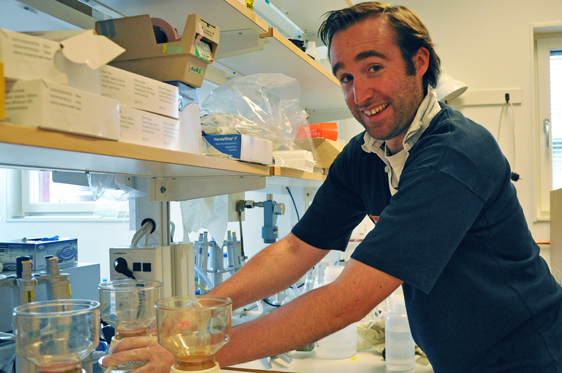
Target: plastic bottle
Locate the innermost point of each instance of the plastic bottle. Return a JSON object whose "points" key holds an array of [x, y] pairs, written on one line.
{"points": [[400, 347], [343, 343], [312, 51]]}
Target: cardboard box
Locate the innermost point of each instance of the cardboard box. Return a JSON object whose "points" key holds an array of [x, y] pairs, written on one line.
{"points": [[65, 249], [139, 92], [143, 128], [327, 150], [242, 147], [38, 103], [185, 60], [2, 93], [55, 55]]}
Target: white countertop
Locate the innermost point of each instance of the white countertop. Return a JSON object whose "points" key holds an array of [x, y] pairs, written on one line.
{"points": [[363, 362]]}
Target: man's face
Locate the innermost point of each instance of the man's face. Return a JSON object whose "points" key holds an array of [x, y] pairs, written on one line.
{"points": [[380, 93]]}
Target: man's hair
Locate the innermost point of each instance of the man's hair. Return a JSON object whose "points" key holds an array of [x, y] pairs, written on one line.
{"points": [[410, 31]]}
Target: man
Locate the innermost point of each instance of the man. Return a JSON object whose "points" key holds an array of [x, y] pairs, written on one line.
{"points": [[449, 226]]}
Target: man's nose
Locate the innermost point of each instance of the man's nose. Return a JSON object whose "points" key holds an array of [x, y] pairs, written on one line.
{"points": [[362, 92]]}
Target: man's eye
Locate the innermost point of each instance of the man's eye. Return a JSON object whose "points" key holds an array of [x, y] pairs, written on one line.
{"points": [[345, 79], [374, 68]]}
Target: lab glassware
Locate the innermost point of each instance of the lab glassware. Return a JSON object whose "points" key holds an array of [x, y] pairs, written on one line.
{"points": [[193, 330], [128, 306], [57, 335]]}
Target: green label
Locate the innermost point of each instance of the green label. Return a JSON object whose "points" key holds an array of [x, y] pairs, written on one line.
{"points": [[197, 70], [173, 49]]}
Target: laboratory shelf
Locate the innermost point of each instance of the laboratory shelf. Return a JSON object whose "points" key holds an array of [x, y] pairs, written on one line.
{"points": [[309, 14], [227, 14], [290, 177], [29, 147], [298, 174], [319, 89]]}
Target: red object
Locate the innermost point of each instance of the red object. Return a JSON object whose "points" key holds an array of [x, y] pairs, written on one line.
{"points": [[328, 130]]}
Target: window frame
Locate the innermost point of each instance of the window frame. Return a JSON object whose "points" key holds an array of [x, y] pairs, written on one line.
{"points": [[20, 208], [544, 38], [31, 208]]}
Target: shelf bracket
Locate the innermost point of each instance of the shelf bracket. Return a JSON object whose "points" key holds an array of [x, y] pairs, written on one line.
{"points": [[185, 188], [237, 42]]}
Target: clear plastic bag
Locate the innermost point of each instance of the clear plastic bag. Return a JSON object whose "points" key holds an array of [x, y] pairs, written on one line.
{"points": [[260, 105], [112, 187]]}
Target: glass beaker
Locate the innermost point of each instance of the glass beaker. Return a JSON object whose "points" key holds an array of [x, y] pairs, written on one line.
{"points": [[57, 335], [193, 330], [128, 306]]}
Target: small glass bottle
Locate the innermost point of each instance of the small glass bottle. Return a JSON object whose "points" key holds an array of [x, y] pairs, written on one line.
{"points": [[400, 347]]}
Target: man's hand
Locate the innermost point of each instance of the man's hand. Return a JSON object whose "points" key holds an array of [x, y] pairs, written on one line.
{"points": [[147, 349]]}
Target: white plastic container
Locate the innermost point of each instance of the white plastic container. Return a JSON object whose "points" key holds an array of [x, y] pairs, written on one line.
{"points": [[341, 344], [299, 159], [400, 347], [312, 51]]}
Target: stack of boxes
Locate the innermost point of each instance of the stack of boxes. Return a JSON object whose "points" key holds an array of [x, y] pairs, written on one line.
{"points": [[60, 81], [148, 108], [179, 62], [38, 93]]}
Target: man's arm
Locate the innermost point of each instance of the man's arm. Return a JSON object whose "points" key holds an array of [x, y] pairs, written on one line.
{"points": [[272, 270], [311, 316]]}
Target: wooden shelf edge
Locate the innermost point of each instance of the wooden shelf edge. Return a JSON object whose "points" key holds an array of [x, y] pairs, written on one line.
{"points": [[248, 14], [39, 138], [51, 140], [288, 44], [297, 174]]}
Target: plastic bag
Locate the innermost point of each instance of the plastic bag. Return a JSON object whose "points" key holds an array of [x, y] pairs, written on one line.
{"points": [[112, 187], [260, 105]]}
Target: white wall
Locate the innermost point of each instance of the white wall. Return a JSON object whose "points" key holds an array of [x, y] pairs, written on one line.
{"points": [[487, 44]]}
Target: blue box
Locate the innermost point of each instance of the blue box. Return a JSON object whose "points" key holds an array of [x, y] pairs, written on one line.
{"points": [[65, 249], [242, 147]]}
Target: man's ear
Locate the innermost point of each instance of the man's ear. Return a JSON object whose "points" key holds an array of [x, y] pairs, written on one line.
{"points": [[421, 61]]}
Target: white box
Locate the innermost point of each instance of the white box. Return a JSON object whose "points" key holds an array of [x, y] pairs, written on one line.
{"points": [[189, 116], [299, 159], [38, 103], [146, 263], [139, 92], [35, 56], [144, 128]]}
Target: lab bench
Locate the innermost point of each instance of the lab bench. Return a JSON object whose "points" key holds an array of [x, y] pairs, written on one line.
{"points": [[368, 361]]}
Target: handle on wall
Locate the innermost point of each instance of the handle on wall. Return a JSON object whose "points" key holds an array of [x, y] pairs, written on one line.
{"points": [[546, 128]]}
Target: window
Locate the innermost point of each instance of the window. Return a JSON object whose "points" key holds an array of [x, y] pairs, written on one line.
{"points": [[549, 120], [41, 196]]}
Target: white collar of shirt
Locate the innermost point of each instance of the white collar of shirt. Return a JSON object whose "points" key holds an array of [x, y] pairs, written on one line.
{"points": [[395, 163]]}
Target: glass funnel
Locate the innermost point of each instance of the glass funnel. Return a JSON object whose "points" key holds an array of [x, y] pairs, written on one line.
{"points": [[193, 330], [128, 305], [57, 335]]}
